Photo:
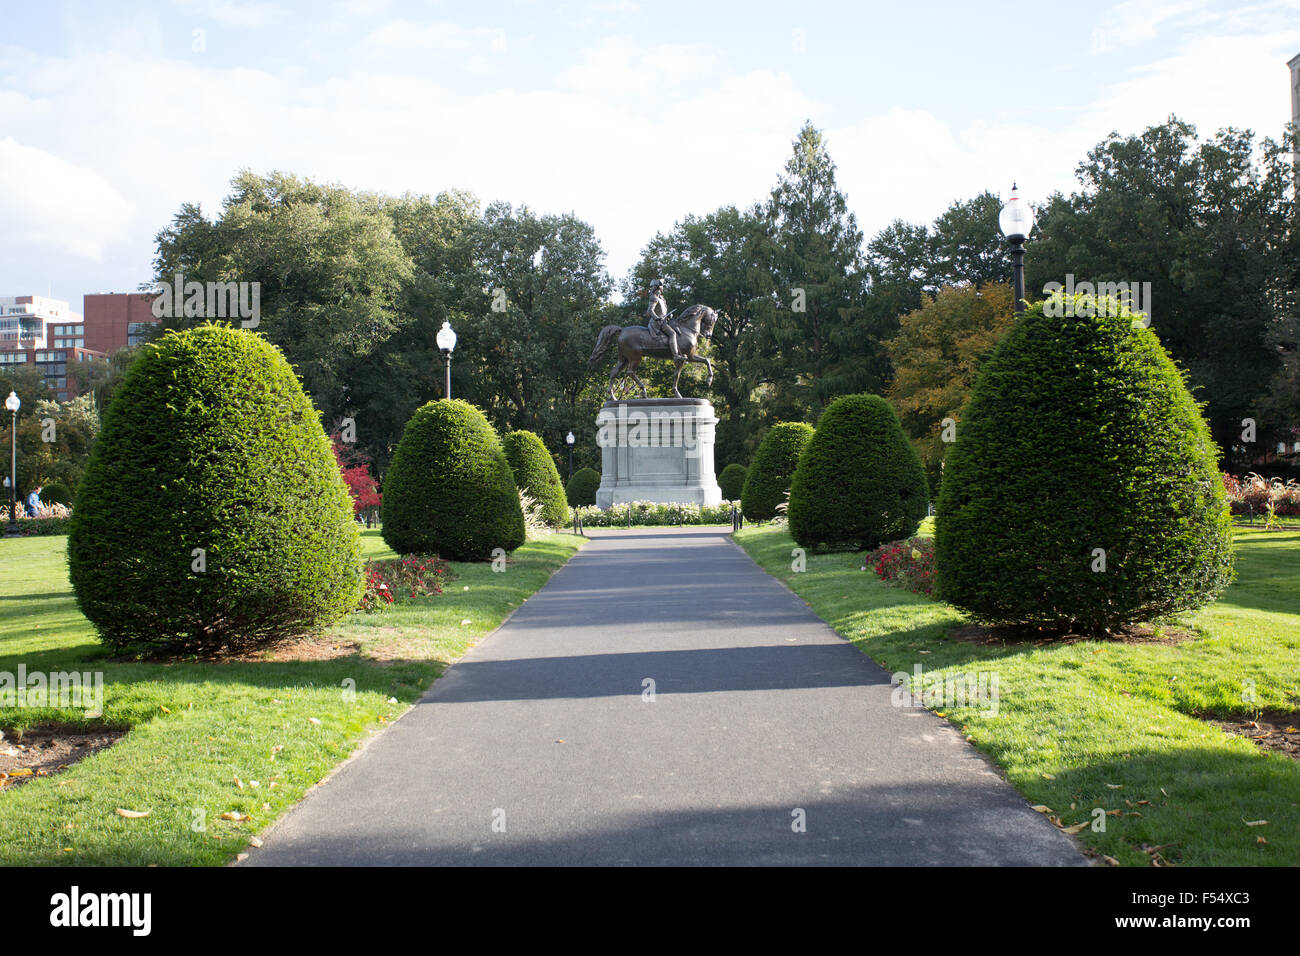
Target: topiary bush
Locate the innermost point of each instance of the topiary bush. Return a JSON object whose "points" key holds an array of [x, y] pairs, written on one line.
{"points": [[582, 487], [536, 475], [211, 513], [449, 489], [56, 493], [732, 481], [860, 481], [773, 466], [1083, 490]]}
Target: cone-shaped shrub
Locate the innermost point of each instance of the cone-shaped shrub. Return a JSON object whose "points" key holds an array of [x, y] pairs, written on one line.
{"points": [[773, 466], [732, 481], [1083, 489], [449, 489], [536, 475], [582, 487], [860, 481], [212, 513]]}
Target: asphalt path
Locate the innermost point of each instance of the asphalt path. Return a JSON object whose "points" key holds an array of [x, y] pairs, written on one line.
{"points": [[663, 702]]}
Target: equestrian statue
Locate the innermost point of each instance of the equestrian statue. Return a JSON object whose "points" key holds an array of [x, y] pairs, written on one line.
{"points": [[664, 336]]}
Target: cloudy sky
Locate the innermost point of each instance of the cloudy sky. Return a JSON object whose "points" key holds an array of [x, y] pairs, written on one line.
{"points": [[628, 113]]}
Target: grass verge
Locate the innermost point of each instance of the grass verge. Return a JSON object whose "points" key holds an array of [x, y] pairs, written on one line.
{"points": [[217, 751], [1103, 726]]}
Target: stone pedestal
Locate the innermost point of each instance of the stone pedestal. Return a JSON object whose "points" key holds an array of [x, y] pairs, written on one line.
{"points": [[657, 449]]}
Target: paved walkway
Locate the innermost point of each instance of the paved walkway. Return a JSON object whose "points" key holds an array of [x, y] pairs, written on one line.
{"points": [[759, 710]]}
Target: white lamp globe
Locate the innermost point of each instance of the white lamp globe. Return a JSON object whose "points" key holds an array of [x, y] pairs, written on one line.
{"points": [[446, 338], [570, 438], [13, 402], [1016, 219]]}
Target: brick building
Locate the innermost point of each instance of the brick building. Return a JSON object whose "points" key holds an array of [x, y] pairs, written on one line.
{"points": [[114, 320]]}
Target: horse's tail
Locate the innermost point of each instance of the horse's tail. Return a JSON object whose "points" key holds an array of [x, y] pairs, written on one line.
{"points": [[608, 336]]}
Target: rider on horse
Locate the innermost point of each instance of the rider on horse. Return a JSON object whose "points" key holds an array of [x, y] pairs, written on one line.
{"points": [[657, 318]]}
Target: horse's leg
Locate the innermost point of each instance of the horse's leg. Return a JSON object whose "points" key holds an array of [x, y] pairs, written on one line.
{"points": [[681, 363], [631, 370], [618, 367], [704, 359]]}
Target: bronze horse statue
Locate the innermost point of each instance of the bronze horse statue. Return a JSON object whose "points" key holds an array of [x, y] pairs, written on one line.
{"points": [[635, 342]]}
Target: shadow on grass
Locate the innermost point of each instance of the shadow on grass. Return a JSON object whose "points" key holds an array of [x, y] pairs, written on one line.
{"points": [[1195, 804]]}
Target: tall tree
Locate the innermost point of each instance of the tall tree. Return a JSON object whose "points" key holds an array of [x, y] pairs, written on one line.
{"points": [[816, 339]]}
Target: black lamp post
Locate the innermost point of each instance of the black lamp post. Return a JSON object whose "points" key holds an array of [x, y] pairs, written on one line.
{"points": [[13, 403], [1016, 221], [569, 441], [446, 344]]}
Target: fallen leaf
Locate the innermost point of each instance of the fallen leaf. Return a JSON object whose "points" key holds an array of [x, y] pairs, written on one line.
{"points": [[1040, 808], [163, 709], [313, 720], [254, 841], [1076, 828], [1260, 840], [239, 783], [1115, 786], [241, 857], [466, 621], [1110, 860], [1048, 776], [1255, 823], [234, 815], [132, 814]]}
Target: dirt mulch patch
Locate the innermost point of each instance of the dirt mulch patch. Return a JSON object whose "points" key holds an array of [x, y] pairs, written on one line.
{"points": [[1137, 634], [298, 649], [1272, 730], [41, 751]]}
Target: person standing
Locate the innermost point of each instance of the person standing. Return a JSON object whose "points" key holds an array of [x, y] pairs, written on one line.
{"points": [[34, 502]]}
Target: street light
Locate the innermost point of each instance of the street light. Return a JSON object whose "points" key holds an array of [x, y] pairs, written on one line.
{"points": [[13, 403], [1016, 221], [447, 344], [569, 441]]}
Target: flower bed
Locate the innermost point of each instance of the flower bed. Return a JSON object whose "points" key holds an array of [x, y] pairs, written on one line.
{"points": [[402, 579], [908, 564], [650, 513], [50, 519], [1253, 494]]}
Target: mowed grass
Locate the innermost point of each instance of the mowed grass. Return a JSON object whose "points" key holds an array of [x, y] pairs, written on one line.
{"points": [[1099, 724], [196, 728]]}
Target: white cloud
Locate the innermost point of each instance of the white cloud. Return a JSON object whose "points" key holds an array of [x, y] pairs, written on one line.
{"points": [[59, 208], [248, 13]]}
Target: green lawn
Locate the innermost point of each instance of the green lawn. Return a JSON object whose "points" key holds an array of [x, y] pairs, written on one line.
{"points": [[1102, 724], [195, 728]]}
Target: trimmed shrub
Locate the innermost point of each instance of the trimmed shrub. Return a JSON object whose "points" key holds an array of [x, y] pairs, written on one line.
{"points": [[1082, 491], [536, 475], [211, 514], [732, 481], [449, 489], [582, 487], [768, 478], [860, 481], [56, 493]]}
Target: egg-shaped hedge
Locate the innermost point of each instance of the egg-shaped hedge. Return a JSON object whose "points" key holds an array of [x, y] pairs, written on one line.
{"points": [[772, 469], [732, 481], [449, 489], [860, 481], [1083, 491], [582, 487], [212, 514], [536, 475]]}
